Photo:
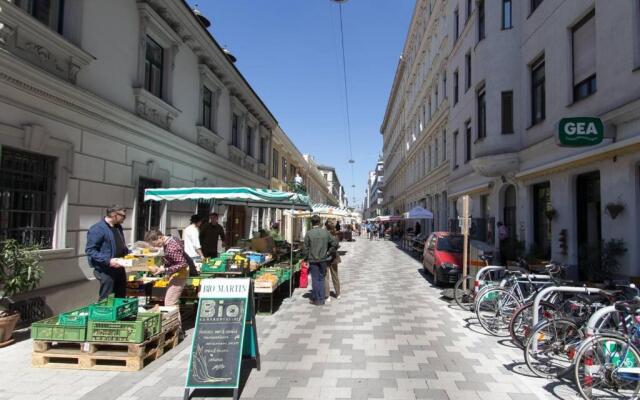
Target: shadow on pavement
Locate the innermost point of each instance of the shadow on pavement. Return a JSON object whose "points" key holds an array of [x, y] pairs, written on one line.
{"points": [[520, 368], [508, 343], [562, 389]]}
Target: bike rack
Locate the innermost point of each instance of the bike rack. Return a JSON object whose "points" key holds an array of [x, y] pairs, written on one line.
{"points": [[591, 324], [563, 289]]}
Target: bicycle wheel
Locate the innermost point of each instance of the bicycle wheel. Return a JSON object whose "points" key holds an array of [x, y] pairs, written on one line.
{"points": [[598, 367], [522, 320], [551, 347], [494, 310], [464, 297]]}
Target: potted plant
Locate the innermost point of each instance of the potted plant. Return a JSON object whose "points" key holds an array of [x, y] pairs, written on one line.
{"points": [[20, 272], [614, 209]]}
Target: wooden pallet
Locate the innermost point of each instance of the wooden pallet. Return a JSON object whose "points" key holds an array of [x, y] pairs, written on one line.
{"points": [[104, 356]]}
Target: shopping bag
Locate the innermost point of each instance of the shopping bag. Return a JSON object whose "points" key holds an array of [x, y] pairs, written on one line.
{"points": [[304, 274]]}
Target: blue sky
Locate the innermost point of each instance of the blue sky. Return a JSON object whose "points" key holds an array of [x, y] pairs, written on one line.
{"points": [[289, 51]]}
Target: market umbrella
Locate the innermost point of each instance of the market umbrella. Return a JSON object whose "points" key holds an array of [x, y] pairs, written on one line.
{"points": [[418, 213]]}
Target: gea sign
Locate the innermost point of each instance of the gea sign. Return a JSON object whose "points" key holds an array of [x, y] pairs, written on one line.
{"points": [[580, 131]]}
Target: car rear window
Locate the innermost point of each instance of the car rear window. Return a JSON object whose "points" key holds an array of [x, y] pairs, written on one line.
{"points": [[452, 244]]}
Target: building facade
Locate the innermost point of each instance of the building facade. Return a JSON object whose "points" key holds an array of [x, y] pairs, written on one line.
{"points": [[514, 70], [374, 199], [333, 185], [87, 122]]}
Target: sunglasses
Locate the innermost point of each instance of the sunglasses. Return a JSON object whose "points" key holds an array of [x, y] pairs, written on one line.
{"points": [[123, 215]]}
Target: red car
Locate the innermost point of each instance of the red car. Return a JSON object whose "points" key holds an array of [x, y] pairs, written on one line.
{"points": [[442, 257]]}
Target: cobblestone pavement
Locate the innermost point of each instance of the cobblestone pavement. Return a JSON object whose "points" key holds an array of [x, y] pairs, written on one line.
{"points": [[390, 336]]}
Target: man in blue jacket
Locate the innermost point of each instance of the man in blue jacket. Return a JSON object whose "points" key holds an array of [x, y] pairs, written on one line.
{"points": [[105, 242]]}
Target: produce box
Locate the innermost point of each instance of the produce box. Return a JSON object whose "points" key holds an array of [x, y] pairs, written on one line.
{"points": [[77, 317], [213, 265], [49, 329], [145, 326], [113, 309], [262, 245], [256, 257]]}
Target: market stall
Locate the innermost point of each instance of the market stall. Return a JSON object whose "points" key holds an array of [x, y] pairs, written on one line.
{"points": [[415, 241], [326, 212], [260, 258]]}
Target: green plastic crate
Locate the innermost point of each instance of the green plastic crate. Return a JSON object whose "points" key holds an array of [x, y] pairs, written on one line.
{"points": [[215, 265], [113, 309], [145, 326], [48, 329], [77, 317]]}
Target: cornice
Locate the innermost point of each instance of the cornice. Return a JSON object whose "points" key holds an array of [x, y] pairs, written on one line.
{"points": [[31, 80]]}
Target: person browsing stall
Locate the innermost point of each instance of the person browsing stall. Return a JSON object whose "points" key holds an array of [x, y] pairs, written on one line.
{"points": [[191, 238], [176, 267], [105, 243], [319, 247]]}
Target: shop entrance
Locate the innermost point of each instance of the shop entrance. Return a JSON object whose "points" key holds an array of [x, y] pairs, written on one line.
{"points": [[148, 213], [589, 230], [235, 224], [509, 210]]}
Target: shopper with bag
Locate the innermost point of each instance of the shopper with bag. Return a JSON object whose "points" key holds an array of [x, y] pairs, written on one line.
{"points": [[318, 246]]}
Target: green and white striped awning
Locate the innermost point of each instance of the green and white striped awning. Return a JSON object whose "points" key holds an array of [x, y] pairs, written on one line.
{"points": [[325, 211], [242, 196]]}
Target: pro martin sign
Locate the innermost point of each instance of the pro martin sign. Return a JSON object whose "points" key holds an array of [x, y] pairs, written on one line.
{"points": [[580, 131]]}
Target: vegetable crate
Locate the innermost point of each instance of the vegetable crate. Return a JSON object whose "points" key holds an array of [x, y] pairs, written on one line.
{"points": [[49, 329], [145, 326], [113, 309], [77, 317]]}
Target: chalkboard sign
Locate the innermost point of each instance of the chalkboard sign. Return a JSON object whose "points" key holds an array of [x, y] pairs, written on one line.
{"points": [[224, 314]]}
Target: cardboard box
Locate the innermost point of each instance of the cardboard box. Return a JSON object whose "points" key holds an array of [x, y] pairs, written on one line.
{"points": [[263, 245]]}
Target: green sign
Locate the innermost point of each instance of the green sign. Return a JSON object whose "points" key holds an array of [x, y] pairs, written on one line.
{"points": [[580, 131]]}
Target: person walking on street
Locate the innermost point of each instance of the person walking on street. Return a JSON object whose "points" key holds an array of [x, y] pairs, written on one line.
{"points": [[332, 268], [191, 238], [503, 236], [105, 243], [319, 246], [374, 231], [176, 267], [210, 233]]}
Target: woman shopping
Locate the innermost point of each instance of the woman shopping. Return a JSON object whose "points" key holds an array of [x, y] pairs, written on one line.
{"points": [[176, 267]]}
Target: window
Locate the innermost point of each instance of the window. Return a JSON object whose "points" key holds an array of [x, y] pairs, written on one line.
{"points": [[482, 114], [537, 92], [437, 153], [27, 209], [436, 93], [456, 24], [249, 142], [455, 87], [467, 147], [455, 149], [469, 9], [444, 146], [467, 64], [275, 163], [262, 156], [148, 215], [284, 169], [153, 67], [535, 4], [235, 126], [49, 12], [481, 25], [207, 103], [506, 14], [507, 112], [444, 85], [584, 57]]}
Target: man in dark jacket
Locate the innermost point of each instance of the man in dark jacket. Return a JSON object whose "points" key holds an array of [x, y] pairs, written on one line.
{"points": [[210, 233], [105, 242], [319, 246]]}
